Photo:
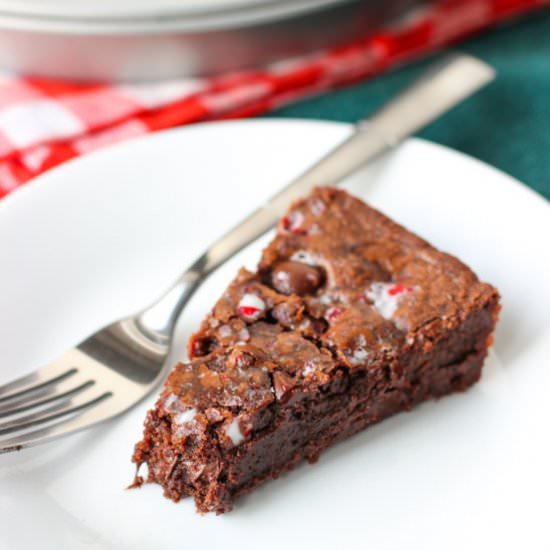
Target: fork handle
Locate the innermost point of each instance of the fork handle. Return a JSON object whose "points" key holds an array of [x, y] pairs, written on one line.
{"points": [[443, 86]]}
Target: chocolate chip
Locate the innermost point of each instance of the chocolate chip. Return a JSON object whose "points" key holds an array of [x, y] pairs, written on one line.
{"points": [[296, 278], [283, 385]]}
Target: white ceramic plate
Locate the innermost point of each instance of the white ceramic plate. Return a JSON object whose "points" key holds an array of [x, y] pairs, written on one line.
{"points": [[100, 237]]}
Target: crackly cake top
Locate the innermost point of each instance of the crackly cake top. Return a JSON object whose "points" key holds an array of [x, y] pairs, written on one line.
{"points": [[340, 287]]}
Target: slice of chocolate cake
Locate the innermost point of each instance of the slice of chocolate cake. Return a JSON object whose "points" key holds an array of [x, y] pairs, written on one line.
{"points": [[350, 318]]}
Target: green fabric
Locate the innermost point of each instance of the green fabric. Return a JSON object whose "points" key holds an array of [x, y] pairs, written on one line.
{"points": [[506, 125]]}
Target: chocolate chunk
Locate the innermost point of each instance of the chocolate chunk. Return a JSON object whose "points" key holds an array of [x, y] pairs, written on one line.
{"points": [[283, 384], [296, 278]]}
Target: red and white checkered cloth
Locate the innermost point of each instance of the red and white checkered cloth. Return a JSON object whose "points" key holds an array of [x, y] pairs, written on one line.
{"points": [[44, 122]]}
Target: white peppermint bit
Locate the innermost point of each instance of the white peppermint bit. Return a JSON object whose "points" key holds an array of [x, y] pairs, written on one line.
{"points": [[309, 367], [293, 221], [358, 356], [225, 331], [233, 431], [170, 401], [244, 334], [186, 416], [385, 297], [251, 306]]}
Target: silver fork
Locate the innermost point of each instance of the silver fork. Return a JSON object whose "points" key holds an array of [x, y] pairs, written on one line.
{"points": [[120, 364]]}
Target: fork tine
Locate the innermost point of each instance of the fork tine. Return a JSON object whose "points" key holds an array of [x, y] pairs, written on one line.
{"points": [[7, 424], [63, 390], [42, 378], [92, 415], [82, 401]]}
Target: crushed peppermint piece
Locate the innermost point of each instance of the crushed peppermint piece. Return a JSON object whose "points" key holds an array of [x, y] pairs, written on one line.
{"points": [[170, 401], [361, 340], [186, 416], [332, 313], [398, 288], [242, 360], [317, 207], [305, 257], [358, 356], [293, 222], [233, 431], [251, 306], [385, 297], [225, 331], [244, 335], [309, 367]]}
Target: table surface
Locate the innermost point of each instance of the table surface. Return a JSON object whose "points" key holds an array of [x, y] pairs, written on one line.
{"points": [[506, 125]]}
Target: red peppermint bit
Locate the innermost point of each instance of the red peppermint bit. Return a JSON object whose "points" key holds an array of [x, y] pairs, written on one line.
{"points": [[398, 288], [246, 431], [292, 222], [333, 312], [248, 311], [240, 360], [251, 306]]}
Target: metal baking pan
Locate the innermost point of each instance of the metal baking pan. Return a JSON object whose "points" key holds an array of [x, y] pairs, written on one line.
{"points": [[131, 40]]}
